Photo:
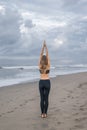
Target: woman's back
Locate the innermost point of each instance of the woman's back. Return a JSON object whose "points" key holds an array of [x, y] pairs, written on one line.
{"points": [[44, 74]]}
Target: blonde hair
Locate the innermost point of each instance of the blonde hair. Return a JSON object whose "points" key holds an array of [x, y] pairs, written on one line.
{"points": [[43, 63]]}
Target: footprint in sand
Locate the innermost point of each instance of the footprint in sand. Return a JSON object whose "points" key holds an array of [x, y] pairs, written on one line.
{"points": [[21, 105], [26, 101], [10, 111], [81, 119], [2, 114], [81, 109], [57, 110], [32, 99], [70, 91], [63, 100], [68, 96], [81, 85], [75, 114], [16, 108], [59, 122], [79, 126], [83, 105]]}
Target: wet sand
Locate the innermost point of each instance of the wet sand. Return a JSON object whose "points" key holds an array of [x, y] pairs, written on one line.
{"points": [[20, 105]]}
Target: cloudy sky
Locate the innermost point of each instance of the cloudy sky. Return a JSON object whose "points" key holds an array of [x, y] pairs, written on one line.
{"points": [[24, 25]]}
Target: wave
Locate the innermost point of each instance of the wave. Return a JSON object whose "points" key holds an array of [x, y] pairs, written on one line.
{"points": [[22, 67], [53, 68], [72, 66], [6, 82]]}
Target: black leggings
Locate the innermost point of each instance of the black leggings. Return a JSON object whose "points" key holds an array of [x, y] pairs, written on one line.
{"points": [[44, 88]]}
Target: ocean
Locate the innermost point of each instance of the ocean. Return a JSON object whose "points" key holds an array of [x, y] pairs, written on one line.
{"points": [[14, 74], [18, 74]]}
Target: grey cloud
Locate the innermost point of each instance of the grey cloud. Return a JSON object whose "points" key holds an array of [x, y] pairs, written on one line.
{"points": [[9, 28], [28, 23], [53, 7], [75, 32], [76, 7]]}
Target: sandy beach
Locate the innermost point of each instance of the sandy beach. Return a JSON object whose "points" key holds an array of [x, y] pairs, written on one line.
{"points": [[20, 105]]}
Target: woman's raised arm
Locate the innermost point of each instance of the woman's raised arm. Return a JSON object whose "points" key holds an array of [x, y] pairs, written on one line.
{"points": [[41, 54], [47, 54]]}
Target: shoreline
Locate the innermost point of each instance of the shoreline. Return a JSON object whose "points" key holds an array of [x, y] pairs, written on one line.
{"points": [[33, 81], [20, 105]]}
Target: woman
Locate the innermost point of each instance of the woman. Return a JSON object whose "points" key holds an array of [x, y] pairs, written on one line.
{"points": [[44, 83]]}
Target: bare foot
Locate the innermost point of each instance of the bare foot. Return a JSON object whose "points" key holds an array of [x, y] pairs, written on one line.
{"points": [[42, 115], [45, 115]]}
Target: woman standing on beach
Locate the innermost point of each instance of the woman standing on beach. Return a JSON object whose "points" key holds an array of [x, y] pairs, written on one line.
{"points": [[44, 83]]}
